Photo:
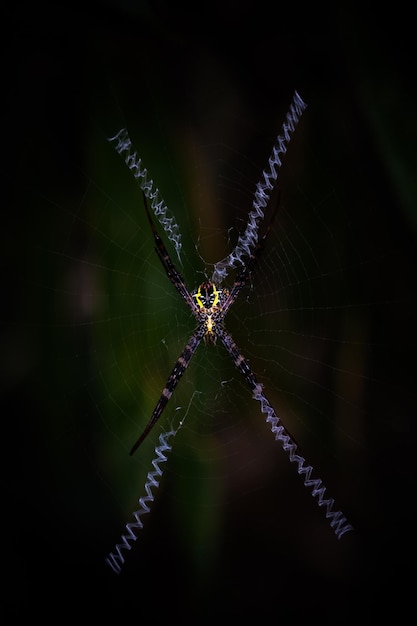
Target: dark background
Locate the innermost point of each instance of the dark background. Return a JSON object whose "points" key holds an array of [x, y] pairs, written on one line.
{"points": [[355, 71]]}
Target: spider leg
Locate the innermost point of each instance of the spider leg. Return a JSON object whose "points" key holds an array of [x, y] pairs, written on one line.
{"points": [[170, 269], [246, 271], [242, 365], [337, 520], [173, 380]]}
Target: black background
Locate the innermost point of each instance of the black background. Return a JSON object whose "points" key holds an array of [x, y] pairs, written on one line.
{"points": [[56, 60]]}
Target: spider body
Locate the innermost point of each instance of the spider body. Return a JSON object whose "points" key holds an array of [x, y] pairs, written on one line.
{"points": [[210, 301]]}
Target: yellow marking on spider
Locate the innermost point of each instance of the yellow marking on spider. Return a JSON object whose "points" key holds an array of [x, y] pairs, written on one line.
{"points": [[209, 324], [198, 295]]}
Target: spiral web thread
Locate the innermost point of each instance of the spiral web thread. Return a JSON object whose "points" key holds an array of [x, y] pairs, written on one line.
{"points": [[247, 242], [116, 559], [337, 520], [123, 146]]}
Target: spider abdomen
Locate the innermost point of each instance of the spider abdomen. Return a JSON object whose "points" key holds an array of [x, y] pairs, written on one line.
{"points": [[210, 302]]}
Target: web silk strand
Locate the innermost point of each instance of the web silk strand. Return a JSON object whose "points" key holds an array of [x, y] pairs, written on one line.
{"points": [[247, 242], [116, 559], [337, 520], [123, 146]]}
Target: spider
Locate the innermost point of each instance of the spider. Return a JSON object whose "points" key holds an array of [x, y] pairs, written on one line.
{"points": [[209, 304]]}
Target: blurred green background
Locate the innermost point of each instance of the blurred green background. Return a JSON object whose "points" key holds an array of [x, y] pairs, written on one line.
{"points": [[91, 326]]}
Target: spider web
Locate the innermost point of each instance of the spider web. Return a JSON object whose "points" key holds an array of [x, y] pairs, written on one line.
{"points": [[304, 322], [325, 324]]}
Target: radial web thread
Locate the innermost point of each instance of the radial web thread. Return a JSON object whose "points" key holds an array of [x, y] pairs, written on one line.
{"points": [[116, 559], [337, 520], [247, 242], [123, 146]]}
